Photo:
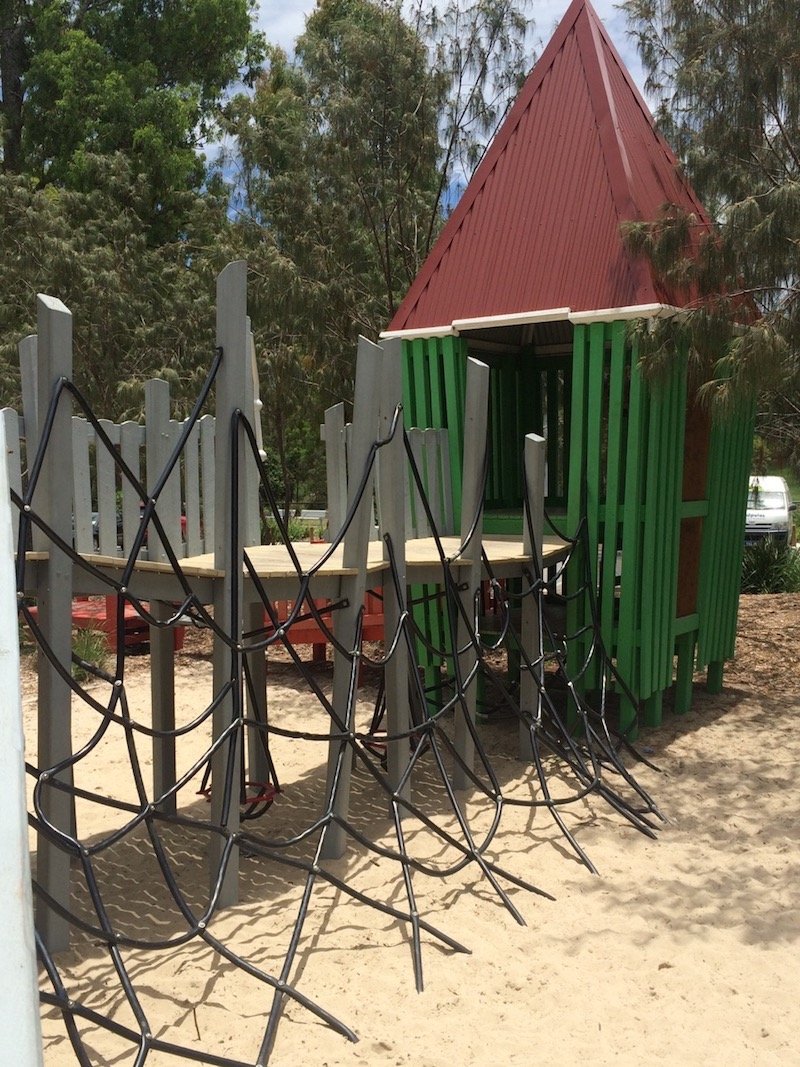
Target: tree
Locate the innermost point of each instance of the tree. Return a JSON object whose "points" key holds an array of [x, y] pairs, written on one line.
{"points": [[728, 87], [345, 158], [81, 79], [139, 311]]}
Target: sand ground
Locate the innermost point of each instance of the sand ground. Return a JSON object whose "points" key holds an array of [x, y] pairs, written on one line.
{"points": [[680, 950]]}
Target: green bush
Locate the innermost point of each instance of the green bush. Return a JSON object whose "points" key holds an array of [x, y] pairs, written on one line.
{"points": [[89, 649], [297, 530], [770, 566]]}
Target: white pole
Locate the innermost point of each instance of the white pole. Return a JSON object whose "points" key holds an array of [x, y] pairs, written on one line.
{"points": [[19, 997]]}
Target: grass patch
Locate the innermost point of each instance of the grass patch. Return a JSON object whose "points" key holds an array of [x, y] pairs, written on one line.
{"points": [[90, 653]]}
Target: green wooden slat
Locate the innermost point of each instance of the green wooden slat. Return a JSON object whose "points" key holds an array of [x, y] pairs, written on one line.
{"points": [[708, 549], [615, 461], [721, 487], [678, 450], [595, 398], [554, 457], [512, 471], [529, 408], [724, 484], [408, 377], [683, 680], [731, 540], [567, 400], [666, 543], [438, 408], [648, 547], [596, 382], [630, 585], [454, 369], [578, 429], [729, 463], [499, 433], [661, 623], [673, 469], [652, 531], [742, 432], [421, 388]]}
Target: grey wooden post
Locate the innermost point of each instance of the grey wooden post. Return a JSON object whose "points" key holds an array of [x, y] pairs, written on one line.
{"points": [[162, 695], [335, 468], [353, 586], [53, 501], [28, 374], [475, 445], [234, 390], [530, 626], [130, 440], [107, 492], [158, 447], [391, 508]]}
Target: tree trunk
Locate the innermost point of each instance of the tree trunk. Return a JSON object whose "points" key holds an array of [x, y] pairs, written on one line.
{"points": [[12, 68]]}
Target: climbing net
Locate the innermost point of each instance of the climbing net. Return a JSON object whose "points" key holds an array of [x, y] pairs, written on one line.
{"points": [[140, 893]]}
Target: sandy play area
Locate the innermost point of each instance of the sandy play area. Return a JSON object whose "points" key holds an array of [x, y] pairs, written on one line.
{"points": [[682, 950]]}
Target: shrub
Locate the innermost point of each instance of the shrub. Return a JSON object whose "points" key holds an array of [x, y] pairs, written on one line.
{"points": [[89, 650], [297, 530], [770, 566]]}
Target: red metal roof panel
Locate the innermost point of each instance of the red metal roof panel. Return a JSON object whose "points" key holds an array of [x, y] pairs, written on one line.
{"points": [[539, 225]]}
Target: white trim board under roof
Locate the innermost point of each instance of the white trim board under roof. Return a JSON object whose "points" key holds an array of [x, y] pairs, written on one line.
{"points": [[524, 318]]}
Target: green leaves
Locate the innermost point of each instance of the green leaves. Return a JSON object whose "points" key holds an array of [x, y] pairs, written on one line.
{"points": [[727, 80], [138, 310], [142, 79]]}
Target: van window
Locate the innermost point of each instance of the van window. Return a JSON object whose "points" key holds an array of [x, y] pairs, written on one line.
{"points": [[764, 498]]}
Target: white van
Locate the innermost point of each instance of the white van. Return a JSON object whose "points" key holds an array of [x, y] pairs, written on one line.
{"points": [[769, 510]]}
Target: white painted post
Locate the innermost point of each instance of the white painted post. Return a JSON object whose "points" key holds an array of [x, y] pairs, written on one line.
{"points": [[530, 628], [20, 1032]]}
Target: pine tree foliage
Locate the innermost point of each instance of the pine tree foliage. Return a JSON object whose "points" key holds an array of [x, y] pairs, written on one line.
{"points": [[345, 157], [345, 160], [728, 85], [139, 310]]}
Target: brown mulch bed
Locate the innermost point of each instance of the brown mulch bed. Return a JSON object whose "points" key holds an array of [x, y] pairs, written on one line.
{"points": [[767, 644]]}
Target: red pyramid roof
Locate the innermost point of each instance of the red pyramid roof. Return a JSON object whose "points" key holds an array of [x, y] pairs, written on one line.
{"points": [[538, 227]]}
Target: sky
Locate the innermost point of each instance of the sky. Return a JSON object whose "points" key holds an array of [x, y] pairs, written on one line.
{"points": [[283, 21]]}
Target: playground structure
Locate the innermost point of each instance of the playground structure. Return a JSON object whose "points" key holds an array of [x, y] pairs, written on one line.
{"points": [[241, 581], [531, 274], [639, 550]]}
